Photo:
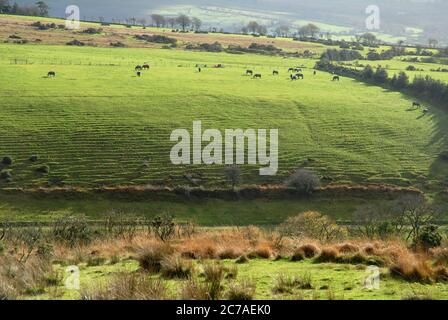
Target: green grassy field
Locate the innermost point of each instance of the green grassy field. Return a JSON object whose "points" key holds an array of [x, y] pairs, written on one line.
{"points": [[97, 123], [206, 212], [329, 282]]}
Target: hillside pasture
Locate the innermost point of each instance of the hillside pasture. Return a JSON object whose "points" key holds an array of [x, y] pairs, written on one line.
{"points": [[96, 123]]}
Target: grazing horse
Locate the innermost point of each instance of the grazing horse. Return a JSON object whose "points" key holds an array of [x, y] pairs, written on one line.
{"points": [[138, 68], [291, 69], [300, 76], [145, 67], [257, 76], [199, 69], [315, 72], [275, 73], [139, 74], [416, 105], [249, 73], [51, 74], [336, 78], [294, 77], [298, 70]]}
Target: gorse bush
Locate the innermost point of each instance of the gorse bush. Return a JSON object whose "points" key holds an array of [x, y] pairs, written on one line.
{"points": [[72, 231], [429, 237], [312, 225], [7, 161], [163, 227], [303, 181], [5, 174], [341, 55]]}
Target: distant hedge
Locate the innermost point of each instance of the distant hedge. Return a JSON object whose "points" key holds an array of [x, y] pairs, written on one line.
{"points": [[422, 87]]}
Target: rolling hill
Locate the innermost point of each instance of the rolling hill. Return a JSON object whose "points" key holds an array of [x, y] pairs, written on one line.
{"points": [[96, 123], [402, 19]]}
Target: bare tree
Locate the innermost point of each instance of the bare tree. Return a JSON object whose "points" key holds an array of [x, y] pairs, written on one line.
{"points": [[253, 27], [142, 22], [433, 42], [309, 30], [183, 21], [43, 8], [196, 23], [369, 38], [172, 22], [282, 31], [4, 6], [233, 174], [414, 212], [158, 20]]}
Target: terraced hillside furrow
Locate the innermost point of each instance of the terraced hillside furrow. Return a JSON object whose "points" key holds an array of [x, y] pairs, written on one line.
{"points": [[95, 125]]}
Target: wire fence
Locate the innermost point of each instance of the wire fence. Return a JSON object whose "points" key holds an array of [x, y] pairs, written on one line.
{"points": [[155, 64]]}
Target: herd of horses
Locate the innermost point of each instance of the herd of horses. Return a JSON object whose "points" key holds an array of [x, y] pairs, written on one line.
{"points": [[294, 74]]}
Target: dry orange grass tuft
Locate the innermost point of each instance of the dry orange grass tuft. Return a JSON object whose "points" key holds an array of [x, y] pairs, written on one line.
{"points": [[440, 256], [327, 254], [348, 248], [308, 250], [412, 268]]}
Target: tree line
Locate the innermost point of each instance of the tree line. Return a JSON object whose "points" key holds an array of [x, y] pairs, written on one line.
{"points": [[40, 8], [182, 21], [423, 87]]}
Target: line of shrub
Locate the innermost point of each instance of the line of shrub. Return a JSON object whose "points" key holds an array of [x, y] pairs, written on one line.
{"points": [[425, 88]]}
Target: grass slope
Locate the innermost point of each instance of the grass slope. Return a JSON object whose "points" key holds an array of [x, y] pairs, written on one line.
{"points": [[96, 123]]}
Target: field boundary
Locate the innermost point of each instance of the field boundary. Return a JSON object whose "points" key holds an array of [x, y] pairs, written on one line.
{"points": [[269, 192]]}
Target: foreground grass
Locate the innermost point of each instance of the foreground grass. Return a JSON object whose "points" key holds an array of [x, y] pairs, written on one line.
{"points": [[329, 281]]}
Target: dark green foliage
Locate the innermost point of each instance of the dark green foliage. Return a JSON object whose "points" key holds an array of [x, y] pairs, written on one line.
{"points": [[422, 87], [7, 161], [429, 237], [380, 75], [163, 227], [76, 43], [92, 31], [72, 231], [5, 175], [341, 55], [45, 169], [156, 39]]}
